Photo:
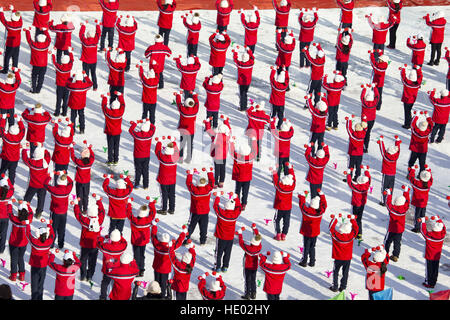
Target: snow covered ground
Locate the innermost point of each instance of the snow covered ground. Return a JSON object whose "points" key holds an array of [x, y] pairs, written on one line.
{"points": [[300, 283]]}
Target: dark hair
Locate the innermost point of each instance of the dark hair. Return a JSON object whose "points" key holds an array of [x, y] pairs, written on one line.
{"points": [[345, 48], [23, 214], [5, 292], [3, 192], [188, 268], [396, 7], [67, 263], [43, 237], [85, 160], [383, 268]]}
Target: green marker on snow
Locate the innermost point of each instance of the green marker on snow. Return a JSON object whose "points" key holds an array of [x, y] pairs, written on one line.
{"points": [[359, 242], [259, 283], [401, 277], [173, 102], [91, 283], [125, 172], [104, 149]]}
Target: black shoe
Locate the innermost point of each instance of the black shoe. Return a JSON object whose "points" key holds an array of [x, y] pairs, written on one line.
{"points": [[37, 215], [312, 263], [334, 289], [390, 47], [82, 131], [56, 114], [100, 49], [88, 279], [64, 114], [366, 150], [253, 295], [171, 211], [302, 263], [406, 127], [345, 180], [431, 63], [416, 230], [438, 140], [141, 273], [381, 203], [82, 278], [342, 289], [163, 212], [246, 296], [436, 62], [185, 242], [60, 246], [31, 91], [4, 71]]}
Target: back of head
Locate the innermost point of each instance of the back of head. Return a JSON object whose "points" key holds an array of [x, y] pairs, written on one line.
{"points": [[62, 180], [344, 227], [154, 288], [256, 240], [10, 79], [277, 258], [5, 292]]}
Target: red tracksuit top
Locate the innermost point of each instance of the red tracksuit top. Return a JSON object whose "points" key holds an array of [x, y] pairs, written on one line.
{"points": [[63, 34], [441, 108], [242, 165], [410, 89], [369, 108], [318, 120], [433, 242], [282, 141], [257, 120], [393, 11], [418, 51], [167, 173], [37, 173], [161, 260], [359, 191], [8, 93], [118, 199], [244, 69], [39, 50], [61, 153], [278, 91], [207, 295], [123, 276], [13, 29], [438, 29], [39, 249], [218, 53], [5, 206], [110, 249], [17, 237], [181, 278], [193, 31], [342, 243], [149, 87], [284, 56], [166, 11], [140, 227], [89, 45], [356, 140], [340, 55], [421, 190], [274, 274], [251, 252], [65, 276], [283, 193], [127, 36], [251, 29], [213, 91], [316, 165], [307, 28], [311, 218], [346, 11], [109, 13], [41, 14], [60, 195], [62, 70], [88, 238], [223, 14], [281, 14], [419, 139], [334, 91], [83, 173], [188, 73], [113, 117], [374, 278], [77, 92], [389, 166], [116, 71], [11, 143], [142, 141], [378, 71], [226, 219], [379, 30], [200, 196], [219, 141], [157, 52], [397, 214], [317, 65]]}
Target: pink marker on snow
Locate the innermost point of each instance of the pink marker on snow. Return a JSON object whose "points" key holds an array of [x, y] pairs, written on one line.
{"points": [[144, 284], [267, 221], [74, 196], [371, 188], [24, 284], [328, 273], [353, 295], [3, 262], [301, 249], [335, 165]]}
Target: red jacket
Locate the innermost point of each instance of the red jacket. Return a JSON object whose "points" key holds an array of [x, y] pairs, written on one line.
{"points": [[123, 276], [39, 50], [193, 31], [77, 92], [356, 140], [60, 195], [140, 227], [397, 214], [111, 250], [8, 93], [113, 117], [17, 237], [418, 50], [251, 252], [242, 165], [167, 172], [278, 92], [438, 29], [13, 29], [419, 139], [342, 243], [161, 260], [109, 13], [149, 87], [38, 172], [226, 219], [318, 119], [244, 69], [334, 91], [257, 120], [188, 73], [218, 53], [158, 52], [359, 191], [317, 64], [89, 45], [62, 70], [223, 14], [181, 277], [251, 29], [307, 28], [274, 274], [283, 193], [142, 141], [395, 11], [316, 165], [213, 91], [127, 36], [281, 14], [116, 71], [389, 166], [166, 11], [374, 278], [39, 250], [63, 34], [41, 14], [207, 295], [311, 218], [342, 56], [379, 30], [282, 147], [219, 143], [346, 11], [433, 242], [411, 89], [65, 276], [83, 174], [421, 190], [378, 70], [61, 153], [11, 143], [5, 204], [89, 237], [118, 199], [369, 108], [200, 195], [441, 108]]}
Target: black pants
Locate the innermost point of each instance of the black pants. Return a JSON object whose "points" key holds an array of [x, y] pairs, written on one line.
{"points": [[393, 35], [273, 296], [283, 32], [215, 116], [161, 81], [162, 278], [395, 238], [88, 259], [316, 87], [243, 186], [37, 282], [313, 189], [186, 140], [243, 97], [407, 109], [11, 115], [282, 165], [418, 213], [355, 162], [106, 31], [165, 34], [317, 138], [380, 101], [37, 78], [202, 221], [62, 96], [82, 191], [342, 67], [345, 25], [104, 287], [222, 28], [63, 297], [90, 69], [438, 127], [113, 89], [217, 70], [250, 281], [80, 114], [41, 192], [59, 227], [432, 272], [284, 215], [345, 265], [192, 49], [180, 295], [219, 171], [116, 224], [59, 53], [10, 53], [376, 47], [223, 253], [128, 57], [3, 233], [417, 155], [309, 249], [252, 48], [11, 167], [148, 111], [304, 62], [187, 94], [168, 196], [17, 261], [435, 52], [358, 212], [388, 182], [37, 32], [141, 169], [278, 111], [113, 147], [367, 137], [139, 256], [332, 120]]}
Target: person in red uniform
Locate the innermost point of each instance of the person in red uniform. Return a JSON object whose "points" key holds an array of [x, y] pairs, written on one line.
{"points": [[379, 64], [117, 62], [441, 111], [257, 120], [42, 9], [370, 98], [118, 199], [224, 9], [78, 85], [149, 80], [251, 258], [140, 231], [63, 70], [219, 43], [437, 23], [63, 39], [126, 28], [215, 289], [6, 193], [89, 38], [282, 10], [8, 90], [122, 272], [83, 173], [244, 61], [165, 18], [317, 164], [411, 85], [59, 204], [113, 113], [395, 7], [158, 52], [343, 49], [10, 154], [319, 113], [343, 231], [220, 139], [279, 83], [65, 274], [13, 27], [375, 262], [417, 45], [193, 25], [420, 131], [334, 91], [142, 132], [421, 188], [63, 137], [284, 188], [189, 68], [109, 8], [397, 209], [182, 269], [200, 186], [308, 22], [38, 58], [447, 57], [40, 246], [250, 22], [346, 17], [317, 64], [355, 144], [227, 214], [282, 148], [433, 231], [213, 86], [389, 166], [274, 272], [380, 26]]}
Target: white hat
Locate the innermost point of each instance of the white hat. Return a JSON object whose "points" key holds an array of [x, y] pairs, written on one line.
{"points": [[320, 154], [399, 201], [65, 18], [321, 106], [420, 36], [412, 75], [287, 180], [288, 39], [224, 4], [149, 74], [369, 96], [245, 57], [90, 31], [115, 105], [277, 258], [285, 126], [244, 149], [62, 180], [187, 257], [120, 57], [255, 242], [392, 150], [42, 3], [423, 125], [339, 78], [15, 16], [213, 285], [358, 127], [115, 235], [230, 204], [315, 202], [78, 76], [438, 15], [126, 258], [163, 237], [154, 287], [379, 255], [223, 128], [320, 53], [92, 211], [66, 132], [143, 211], [42, 230], [283, 3], [145, 126], [14, 129], [190, 60], [167, 150], [345, 40], [129, 22], [425, 175], [39, 153], [281, 77], [344, 227], [10, 79], [444, 93], [396, 1], [217, 78], [4, 182], [219, 37], [169, 2], [68, 255], [94, 225], [307, 17], [199, 180], [123, 23], [65, 59], [253, 18], [121, 184], [362, 179], [41, 38], [195, 19], [437, 225], [383, 58], [189, 102]]}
